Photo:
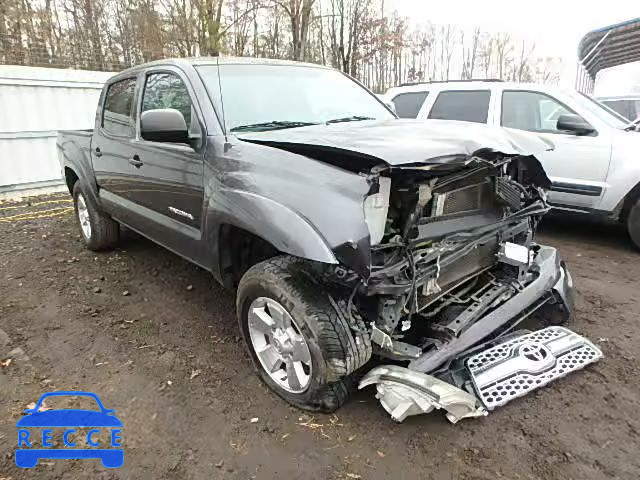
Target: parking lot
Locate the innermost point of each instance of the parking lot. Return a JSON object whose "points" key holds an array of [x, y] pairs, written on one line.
{"points": [[157, 339]]}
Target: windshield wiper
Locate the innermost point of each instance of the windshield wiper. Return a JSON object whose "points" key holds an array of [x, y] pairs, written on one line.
{"points": [[353, 118], [272, 125]]}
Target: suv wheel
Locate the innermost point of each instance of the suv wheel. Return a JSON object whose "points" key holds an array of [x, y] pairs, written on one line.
{"points": [[301, 347], [99, 231], [633, 223]]}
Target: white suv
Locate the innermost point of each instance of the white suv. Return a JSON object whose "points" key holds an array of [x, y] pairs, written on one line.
{"points": [[594, 162]]}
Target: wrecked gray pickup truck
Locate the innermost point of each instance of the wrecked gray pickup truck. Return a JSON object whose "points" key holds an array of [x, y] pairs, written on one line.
{"points": [[363, 247]]}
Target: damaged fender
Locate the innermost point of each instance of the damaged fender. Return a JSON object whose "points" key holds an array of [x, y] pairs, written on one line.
{"points": [[403, 392]]}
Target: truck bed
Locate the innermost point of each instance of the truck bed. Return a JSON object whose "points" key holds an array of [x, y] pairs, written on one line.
{"points": [[75, 146], [75, 133]]}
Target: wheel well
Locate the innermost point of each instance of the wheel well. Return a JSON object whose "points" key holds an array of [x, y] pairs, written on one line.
{"points": [[70, 178], [629, 201], [239, 250]]}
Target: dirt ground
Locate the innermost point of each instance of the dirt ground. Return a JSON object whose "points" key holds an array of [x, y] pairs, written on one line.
{"points": [[157, 340]]}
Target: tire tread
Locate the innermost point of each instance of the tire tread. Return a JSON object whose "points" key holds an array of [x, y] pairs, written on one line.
{"points": [[105, 231], [342, 352]]}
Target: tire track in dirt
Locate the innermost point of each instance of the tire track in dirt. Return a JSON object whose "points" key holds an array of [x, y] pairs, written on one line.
{"points": [[35, 208]]}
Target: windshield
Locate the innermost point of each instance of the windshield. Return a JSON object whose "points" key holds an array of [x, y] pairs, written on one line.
{"points": [[287, 96], [611, 118]]}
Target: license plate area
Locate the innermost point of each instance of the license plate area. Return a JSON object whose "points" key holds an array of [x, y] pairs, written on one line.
{"points": [[513, 369]]}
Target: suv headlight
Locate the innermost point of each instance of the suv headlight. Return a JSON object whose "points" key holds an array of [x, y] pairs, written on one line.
{"points": [[376, 208]]}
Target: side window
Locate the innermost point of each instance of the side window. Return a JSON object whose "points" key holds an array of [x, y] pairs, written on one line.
{"points": [[619, 106], [635, 110], [167, 90], [117, 118], [465, 105], [630, 109], [408, 104], [532, 111]]}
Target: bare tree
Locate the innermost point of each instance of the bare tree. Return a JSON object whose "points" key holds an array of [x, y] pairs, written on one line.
{"points": [[209, 24], [469, 53], [522, 71], [299, 14], [446, 50], [360, 37], [503, 49], [345, 21]]}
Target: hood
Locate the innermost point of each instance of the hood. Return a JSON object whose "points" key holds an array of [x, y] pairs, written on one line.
{"points": [[403, 142]]}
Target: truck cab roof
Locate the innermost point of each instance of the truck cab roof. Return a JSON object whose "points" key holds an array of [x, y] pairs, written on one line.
{"points": [[222, 60]]}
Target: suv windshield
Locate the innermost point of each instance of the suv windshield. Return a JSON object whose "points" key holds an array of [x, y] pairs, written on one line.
{"points": [[611, 118], [264, 97]]}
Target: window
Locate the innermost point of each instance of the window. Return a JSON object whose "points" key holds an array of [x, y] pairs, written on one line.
{"points": [[117, 118], [465, 105], [532, 111], [167, 90], [255, 94], [628, 108], [604, 113], [408, 104]]}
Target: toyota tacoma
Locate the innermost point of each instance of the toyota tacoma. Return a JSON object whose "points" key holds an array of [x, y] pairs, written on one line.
{"points": [[364, 249]]}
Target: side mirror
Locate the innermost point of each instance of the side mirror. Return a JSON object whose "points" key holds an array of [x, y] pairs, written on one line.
{"points": [[164, 125], [575, 124]]}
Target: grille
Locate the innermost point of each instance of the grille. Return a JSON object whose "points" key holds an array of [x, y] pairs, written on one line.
{"points": [[516, 367]]}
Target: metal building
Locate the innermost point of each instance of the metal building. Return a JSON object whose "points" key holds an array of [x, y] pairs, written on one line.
{"points": [[606, 47], [35, 102]]}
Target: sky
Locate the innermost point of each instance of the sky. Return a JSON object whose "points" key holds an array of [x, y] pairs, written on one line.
{"points": [[556, 26]]}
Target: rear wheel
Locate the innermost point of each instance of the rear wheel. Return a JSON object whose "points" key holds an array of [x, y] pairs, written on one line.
{"points": [[99, 231], [633, 223], [301, 346]]}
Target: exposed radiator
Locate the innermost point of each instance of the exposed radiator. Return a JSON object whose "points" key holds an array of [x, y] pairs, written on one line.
{"points": [[464, 200]]}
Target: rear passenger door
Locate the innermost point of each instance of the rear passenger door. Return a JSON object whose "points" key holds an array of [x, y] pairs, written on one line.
{"points": [[112, 139], [462, 105]]}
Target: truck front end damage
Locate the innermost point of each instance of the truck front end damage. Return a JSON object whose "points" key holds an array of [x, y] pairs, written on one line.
{"points": [[437, 270], [454, 276]]}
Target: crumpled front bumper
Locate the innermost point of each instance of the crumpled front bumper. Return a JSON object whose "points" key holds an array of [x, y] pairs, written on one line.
{"points": [[553, 278], [411, 391]]}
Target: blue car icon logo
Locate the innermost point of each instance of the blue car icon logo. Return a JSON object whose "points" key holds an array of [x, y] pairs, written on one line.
{"points": [[27, 455]]}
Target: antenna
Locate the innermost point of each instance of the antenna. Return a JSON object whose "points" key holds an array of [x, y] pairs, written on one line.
{"points": [[227, 145]]}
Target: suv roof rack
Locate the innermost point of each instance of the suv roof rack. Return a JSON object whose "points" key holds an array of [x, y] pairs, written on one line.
{"points": [[452, 81]]}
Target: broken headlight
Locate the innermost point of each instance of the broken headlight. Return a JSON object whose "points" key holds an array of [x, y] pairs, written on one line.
{"points": [[376, 207]]}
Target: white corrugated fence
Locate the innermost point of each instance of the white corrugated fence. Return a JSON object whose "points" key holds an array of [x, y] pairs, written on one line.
{"points": [[35, 103]]}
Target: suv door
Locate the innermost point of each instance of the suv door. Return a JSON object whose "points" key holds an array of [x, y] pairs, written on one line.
{"points": [[166, 182], [578, 164], [112, 139]]}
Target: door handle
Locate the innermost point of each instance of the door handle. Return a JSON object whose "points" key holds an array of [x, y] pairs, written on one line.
{"points": [[98, 152], [135, 161]]}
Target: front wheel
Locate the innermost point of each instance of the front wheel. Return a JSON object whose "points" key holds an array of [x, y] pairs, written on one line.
{"points": [[633, 223], [301, 347]]}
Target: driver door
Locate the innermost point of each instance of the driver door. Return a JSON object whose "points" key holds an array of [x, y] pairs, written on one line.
{"points": [[578, 164], [166, 182]]}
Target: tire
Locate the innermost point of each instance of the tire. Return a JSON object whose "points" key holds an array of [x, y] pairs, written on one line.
{"points": [[633, 223], [335, 352], [103, 232]]}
